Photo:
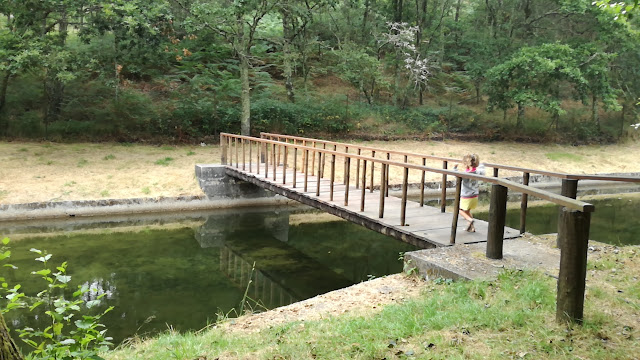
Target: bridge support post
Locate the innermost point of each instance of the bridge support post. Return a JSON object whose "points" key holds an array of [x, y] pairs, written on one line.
{"points": [[573, 265], [497, 216], [569, 189], [223, 143]]}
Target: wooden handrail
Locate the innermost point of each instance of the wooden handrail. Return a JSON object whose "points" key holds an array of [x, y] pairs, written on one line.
{"points": [[557, 199], [491, 165]]}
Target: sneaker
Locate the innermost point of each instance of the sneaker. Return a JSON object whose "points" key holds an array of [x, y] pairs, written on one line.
{"points": [[471, 228]]}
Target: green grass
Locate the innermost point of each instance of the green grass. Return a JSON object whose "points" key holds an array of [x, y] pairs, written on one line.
{"points": [[191, 153], [82, 162], [164, 162], [511, 317], [562, 156], [104, 193], [109, 157], [145, 190], [167, 147]]}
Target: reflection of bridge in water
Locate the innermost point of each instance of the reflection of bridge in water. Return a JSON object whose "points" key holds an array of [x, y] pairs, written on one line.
{"points": [[259, 286], [282, 274]]}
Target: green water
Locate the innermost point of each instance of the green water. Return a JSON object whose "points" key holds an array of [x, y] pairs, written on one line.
{"points": [[185, 276]]}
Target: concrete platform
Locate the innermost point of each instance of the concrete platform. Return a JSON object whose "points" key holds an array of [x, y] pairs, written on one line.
{"points": [[468, 261]]}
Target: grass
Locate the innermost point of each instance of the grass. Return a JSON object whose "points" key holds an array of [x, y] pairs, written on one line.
{"points": [[562, 156], [164, 162], [511, 317], [82, 162], [109, 157]]}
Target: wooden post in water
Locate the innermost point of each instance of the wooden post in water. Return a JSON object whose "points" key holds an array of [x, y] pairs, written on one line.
{"points": [[524, 205], [225, 149], [569, 189], [456, 211], [573, 265], [382, 181], [497, 216], [443, 195], [405, 185]]}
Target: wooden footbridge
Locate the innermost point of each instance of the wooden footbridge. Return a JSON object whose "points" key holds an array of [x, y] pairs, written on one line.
{"points": [[352, 181]]}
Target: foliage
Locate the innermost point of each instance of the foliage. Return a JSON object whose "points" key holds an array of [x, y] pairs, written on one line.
{"points": [[74, 332]]}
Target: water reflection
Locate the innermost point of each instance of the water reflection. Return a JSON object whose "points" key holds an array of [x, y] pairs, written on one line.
{"points": [[185, 270]]}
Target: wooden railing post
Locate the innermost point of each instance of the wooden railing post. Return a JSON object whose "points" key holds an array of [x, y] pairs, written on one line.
{"points": [[250, 155], [373, 167], [497, 216], [573, 265], [295, 165], [524, 205], [235, 144], [333, 174], [273, 157], [244, 159], [225, 149], [386, 176], [403, 209], [306, 168], [346, 180], [382, 181], [324, 158], [284, 164], [424, 163], [346, 152], [266, 160], [358, 170], [319, 174], [495, 172], [456, 211], [569, 189], [364, 182], [443, 195]]}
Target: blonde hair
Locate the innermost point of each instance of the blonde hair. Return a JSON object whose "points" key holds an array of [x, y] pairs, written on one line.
{"points": [[471, 160]]}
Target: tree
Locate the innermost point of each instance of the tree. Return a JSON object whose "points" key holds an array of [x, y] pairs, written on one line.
{"points": [[237, 22]]}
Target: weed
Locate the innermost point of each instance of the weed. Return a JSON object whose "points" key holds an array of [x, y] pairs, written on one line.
{"points": [[164, 162], [190, 153], [126, 144], [109, 157], [3, 193], [82, 162], [71, 183], [104, 193], [167, 148], [23, 149], [145, 190]]}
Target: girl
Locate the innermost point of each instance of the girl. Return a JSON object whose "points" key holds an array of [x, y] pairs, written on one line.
{"points": [[469, 193]]}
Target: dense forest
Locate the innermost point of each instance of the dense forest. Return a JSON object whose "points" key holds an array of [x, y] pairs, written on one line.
{"points": [[185, 70]]}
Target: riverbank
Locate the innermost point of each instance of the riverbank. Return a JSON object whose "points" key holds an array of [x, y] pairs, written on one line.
{"points": [[50, 172]]}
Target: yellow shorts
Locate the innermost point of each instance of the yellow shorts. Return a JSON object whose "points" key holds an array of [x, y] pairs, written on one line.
{"points": [[469, 204]]}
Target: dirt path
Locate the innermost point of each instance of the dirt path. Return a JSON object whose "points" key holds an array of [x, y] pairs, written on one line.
{"points": [[42, 172]]}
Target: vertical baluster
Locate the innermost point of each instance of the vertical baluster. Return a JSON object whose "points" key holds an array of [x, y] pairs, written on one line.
{"points": [[237, 157], [383, 172], [278, 162], [524, 204], [346, 152], [324, 157], [284, 165], [386, 185], [295, 163], [495, 172], [274, 163], [373, 167], [456, 211], [319, 173], [313, 158], [346, 179], [250, 155], [358, 170], [364, 182], [424, 163], [405, 185], [225, 149], [266, 160], [244, 160], [443, 194], [333, 174], [306, 168]]}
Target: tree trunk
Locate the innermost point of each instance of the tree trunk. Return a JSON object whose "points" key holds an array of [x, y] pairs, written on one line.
{"points": [[286, 54], [8, 348], [245, 122], [520, 116], [594, 111], [365, 18], [4, 83]]}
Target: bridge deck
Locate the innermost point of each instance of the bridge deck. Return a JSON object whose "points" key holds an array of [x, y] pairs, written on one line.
{"points": [[426, 227]]}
